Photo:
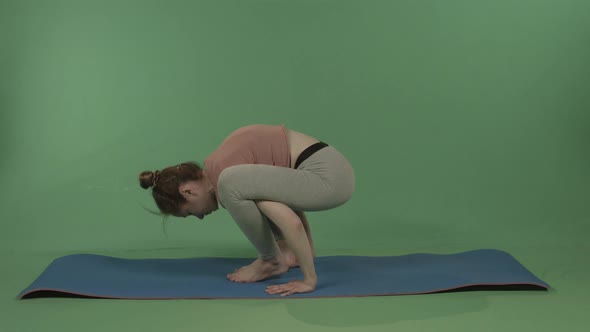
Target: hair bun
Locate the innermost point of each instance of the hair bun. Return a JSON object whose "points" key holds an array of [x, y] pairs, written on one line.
{"points": [[147, 179]]}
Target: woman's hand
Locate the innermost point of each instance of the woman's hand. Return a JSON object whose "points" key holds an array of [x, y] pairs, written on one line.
{"points": [[292, 287]]}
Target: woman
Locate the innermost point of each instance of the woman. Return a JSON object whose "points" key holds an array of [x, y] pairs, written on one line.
{"points": [[266, 176]]}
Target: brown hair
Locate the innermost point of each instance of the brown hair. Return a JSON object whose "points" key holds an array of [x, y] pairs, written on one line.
{"points": [[165, 185]]}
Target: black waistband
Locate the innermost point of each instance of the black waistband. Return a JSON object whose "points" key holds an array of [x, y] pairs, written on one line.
{"points": [[309, 151]]}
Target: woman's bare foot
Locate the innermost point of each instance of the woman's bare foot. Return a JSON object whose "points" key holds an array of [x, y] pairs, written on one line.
{"points": [[259, 270]]}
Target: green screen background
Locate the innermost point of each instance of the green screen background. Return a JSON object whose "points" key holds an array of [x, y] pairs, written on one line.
{"points": [[467, 124]]}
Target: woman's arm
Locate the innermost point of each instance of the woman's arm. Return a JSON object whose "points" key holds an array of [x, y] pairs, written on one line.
{"points": [[295, 235], [305, 223]]}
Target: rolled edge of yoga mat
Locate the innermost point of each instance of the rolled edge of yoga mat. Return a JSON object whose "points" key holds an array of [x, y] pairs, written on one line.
{"points": [[57, 293]]}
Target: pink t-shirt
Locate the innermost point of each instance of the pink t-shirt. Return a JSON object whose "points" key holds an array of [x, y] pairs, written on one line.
{"points": [[253, 144]]}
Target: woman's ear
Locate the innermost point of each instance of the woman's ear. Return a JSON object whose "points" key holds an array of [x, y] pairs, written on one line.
{"points": [[184, 190]]}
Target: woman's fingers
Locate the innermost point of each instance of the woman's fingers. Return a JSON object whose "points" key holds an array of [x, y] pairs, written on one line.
{"points": [[284, 289], [281, 286], [277, 290]]}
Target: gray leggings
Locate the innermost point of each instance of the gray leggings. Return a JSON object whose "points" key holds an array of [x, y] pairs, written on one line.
{"points": [[323, 181]]}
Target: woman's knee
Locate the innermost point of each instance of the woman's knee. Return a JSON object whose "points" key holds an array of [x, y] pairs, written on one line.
{"points": [[227, 183]]}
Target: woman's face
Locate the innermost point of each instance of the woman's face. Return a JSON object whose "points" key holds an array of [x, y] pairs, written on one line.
{"points": [[200, 197]]}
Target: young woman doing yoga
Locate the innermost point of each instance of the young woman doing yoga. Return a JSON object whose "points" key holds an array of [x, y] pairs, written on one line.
{"points": [[266, 177]]}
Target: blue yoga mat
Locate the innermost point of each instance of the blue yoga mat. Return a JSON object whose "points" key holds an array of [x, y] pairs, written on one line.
{"points": [[101, 276]]}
